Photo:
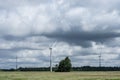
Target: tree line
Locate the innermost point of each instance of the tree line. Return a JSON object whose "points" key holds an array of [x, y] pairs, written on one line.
{"points": [[84, 68]]}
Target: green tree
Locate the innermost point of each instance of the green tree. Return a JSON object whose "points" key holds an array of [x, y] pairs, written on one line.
{"points": [[65, 65]]}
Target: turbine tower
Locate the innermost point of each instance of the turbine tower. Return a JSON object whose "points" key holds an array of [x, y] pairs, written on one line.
{"points": [[100, 59], [50, 48], [16, 62], [100, 56], [50, 59]]}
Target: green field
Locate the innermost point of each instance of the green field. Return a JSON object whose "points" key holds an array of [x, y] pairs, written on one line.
{"points": [[59, 76]]}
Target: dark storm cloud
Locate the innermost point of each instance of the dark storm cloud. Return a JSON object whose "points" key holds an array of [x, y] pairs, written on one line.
{"points": [[83, 38], [19, 49], [13, 38], [5, 54]]}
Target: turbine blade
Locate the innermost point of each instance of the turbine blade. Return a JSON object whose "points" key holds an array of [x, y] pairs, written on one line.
{"points": [[54, 44]]}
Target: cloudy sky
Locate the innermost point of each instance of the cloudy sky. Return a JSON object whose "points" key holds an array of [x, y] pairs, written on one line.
{"points": [[80, 29]]}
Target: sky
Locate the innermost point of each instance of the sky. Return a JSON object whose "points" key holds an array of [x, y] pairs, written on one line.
{"points": [[80, 29]]}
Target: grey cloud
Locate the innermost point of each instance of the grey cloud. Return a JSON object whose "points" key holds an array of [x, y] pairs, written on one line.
{"points": [[83, 38], [101, 5], [7, 54]]}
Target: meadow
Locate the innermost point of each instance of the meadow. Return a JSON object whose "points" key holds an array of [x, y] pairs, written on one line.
{"points": [[60, 76]]}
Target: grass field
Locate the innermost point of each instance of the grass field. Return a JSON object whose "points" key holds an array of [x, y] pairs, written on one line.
{"points": [[59, 76]]}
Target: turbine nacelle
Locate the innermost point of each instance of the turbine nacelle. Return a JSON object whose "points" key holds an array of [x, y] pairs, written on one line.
{"points": [[50, 48]]}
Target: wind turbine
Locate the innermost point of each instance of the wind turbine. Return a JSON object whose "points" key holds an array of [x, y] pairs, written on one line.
{"points": [[100, 59], [16, 62], [50, 48], [100, 56]]}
